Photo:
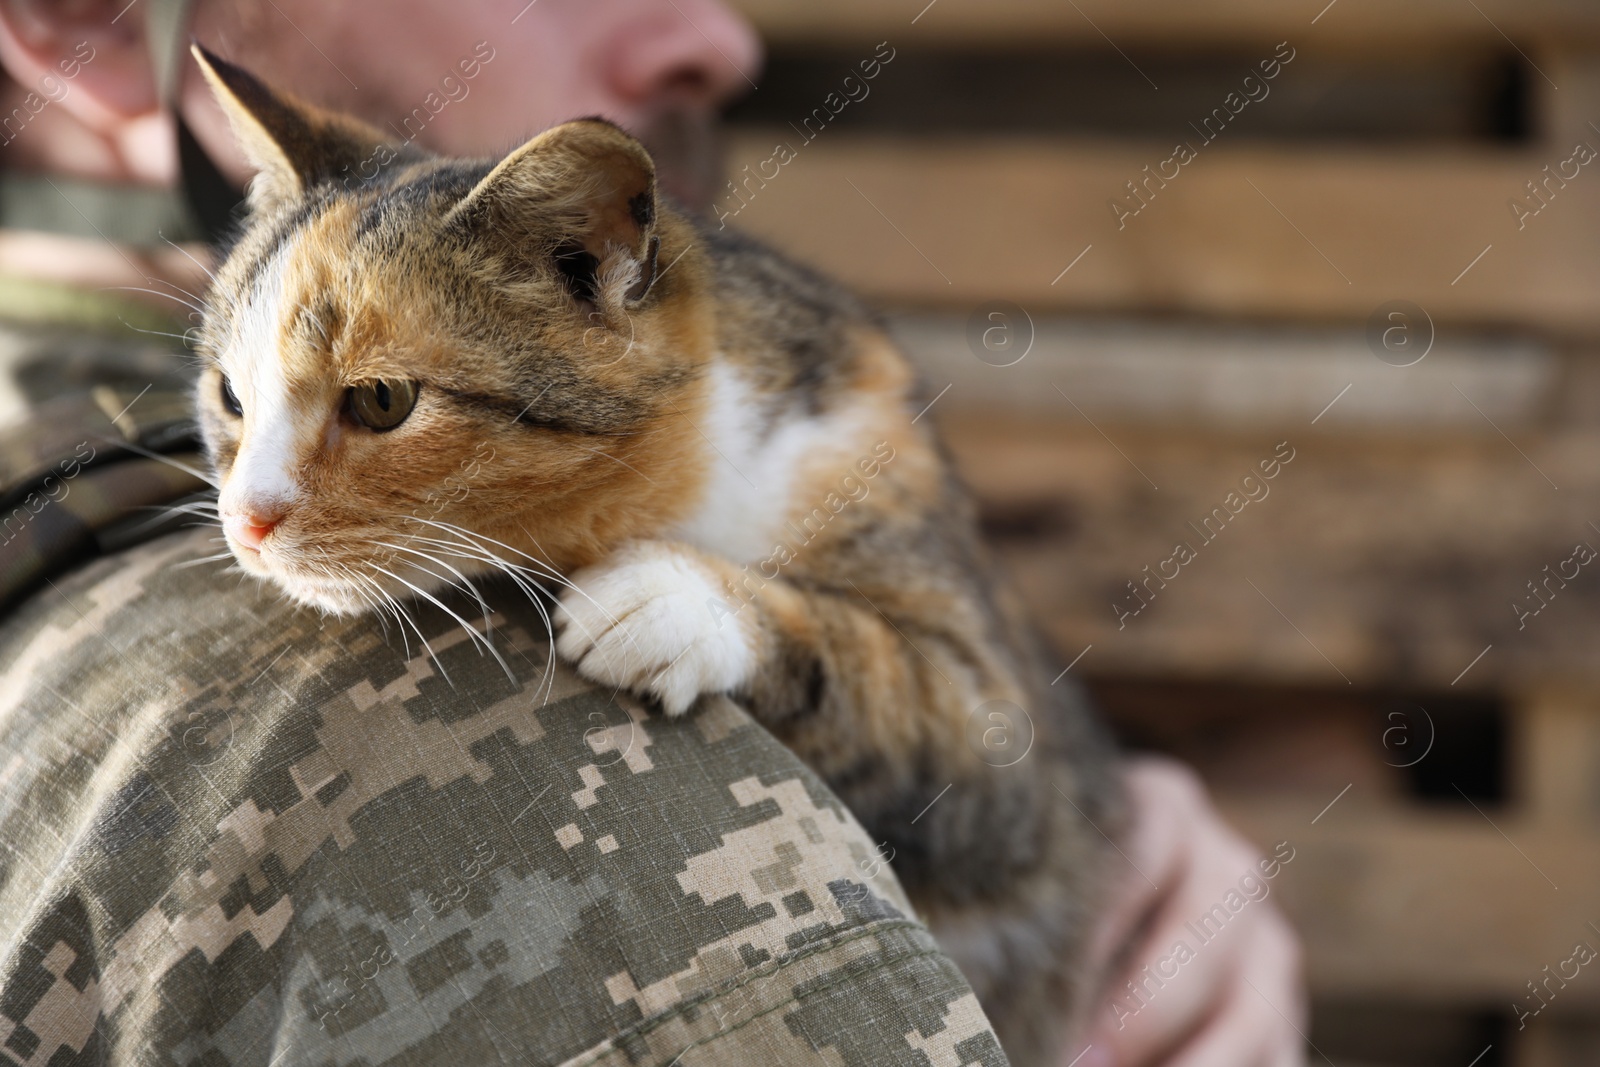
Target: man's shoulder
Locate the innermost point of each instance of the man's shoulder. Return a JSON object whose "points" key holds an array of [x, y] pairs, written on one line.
{"points": [[412, 842], [78, 343], [96, 440]]}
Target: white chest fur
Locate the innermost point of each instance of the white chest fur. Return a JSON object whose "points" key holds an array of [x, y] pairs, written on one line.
{"points": [[758, 470]]}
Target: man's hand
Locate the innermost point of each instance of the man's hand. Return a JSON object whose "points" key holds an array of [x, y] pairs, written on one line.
{"points": [[1234, 1000]]}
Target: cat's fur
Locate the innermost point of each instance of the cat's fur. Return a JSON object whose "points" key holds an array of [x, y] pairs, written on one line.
{"points": [[719, 448]]}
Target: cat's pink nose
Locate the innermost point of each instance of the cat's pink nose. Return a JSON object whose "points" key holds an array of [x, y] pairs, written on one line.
{"points": [[251, 528]]}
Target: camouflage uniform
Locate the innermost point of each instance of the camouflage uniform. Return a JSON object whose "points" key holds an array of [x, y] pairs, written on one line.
{"points": [[238, 833]]}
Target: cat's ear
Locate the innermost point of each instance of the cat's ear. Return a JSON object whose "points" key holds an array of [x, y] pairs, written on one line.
{"points": [[582, 193], [291, 145]]}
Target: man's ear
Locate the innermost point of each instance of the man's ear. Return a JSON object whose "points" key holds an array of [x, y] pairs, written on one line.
{"points": [[291, 145], [583, 193]]}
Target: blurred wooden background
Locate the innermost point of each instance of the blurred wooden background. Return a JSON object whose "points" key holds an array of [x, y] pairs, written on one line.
{"points": [[1355, 662]]}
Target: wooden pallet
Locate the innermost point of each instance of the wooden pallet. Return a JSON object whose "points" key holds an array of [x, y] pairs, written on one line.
{"points": [[1245, 231], [1355, 24], [1241, 230], [1176, 348]]}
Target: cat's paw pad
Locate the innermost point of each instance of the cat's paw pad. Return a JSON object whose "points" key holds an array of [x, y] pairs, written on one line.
{"points": [[653, 619]]}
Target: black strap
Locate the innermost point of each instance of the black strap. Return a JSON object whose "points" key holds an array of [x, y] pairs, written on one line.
{"points": [[212, 200]]}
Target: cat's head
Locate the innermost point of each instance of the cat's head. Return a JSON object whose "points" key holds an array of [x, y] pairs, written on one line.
{"points": [[414, 365]]}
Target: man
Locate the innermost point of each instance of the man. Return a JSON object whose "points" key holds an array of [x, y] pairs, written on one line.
{"points": [[237, 833]]}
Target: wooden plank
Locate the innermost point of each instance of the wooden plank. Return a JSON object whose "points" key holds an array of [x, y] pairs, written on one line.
{"points": [[1233, 377], [1556, 748], [1558, 1043], [1165, 22], [1389, 560], [1240, 231], [1414, 907]]}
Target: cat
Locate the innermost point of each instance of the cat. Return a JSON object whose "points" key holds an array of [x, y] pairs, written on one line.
{"points": [[418, 369]]}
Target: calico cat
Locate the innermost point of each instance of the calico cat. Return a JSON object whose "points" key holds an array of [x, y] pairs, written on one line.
{"points": [[719, 449]]}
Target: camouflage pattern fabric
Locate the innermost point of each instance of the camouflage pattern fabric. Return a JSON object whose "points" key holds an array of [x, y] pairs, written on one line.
{"points": [[236, 834], [65, 519], [81, 468]]}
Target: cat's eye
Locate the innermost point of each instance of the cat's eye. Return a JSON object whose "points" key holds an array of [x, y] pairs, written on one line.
{"points": [[383, 404], [229, 401]]}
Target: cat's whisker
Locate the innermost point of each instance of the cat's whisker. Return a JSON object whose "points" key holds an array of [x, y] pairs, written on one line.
{"points": [[204, 307], [462, 531], [462, 581], [184, 337], [547, 571], [367, 600], [197, 309], [471, 542], [406, 620], [478, 638], [162, 514], [386, 609], [369, 608], [170, 284], [196, 562], [477, 553], [614, 459], [205, 504], [523, 578], [520, 575], [531, 588], [464, 539], [545, 563], [167, 512], [141, 529], [168, 460], [626, 433], [185, 252]]}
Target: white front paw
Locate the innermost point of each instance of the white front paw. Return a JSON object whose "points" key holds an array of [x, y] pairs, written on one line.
{"points": [[655, 619]]}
